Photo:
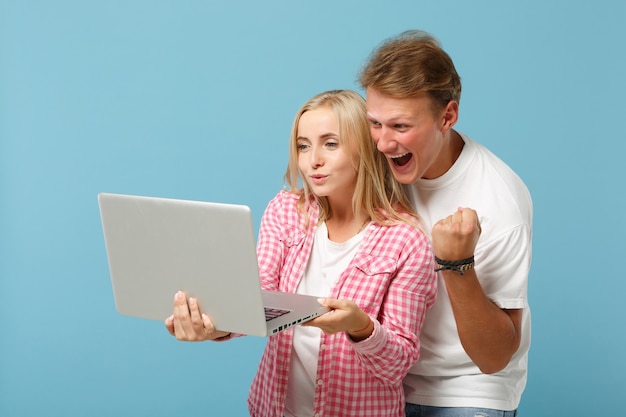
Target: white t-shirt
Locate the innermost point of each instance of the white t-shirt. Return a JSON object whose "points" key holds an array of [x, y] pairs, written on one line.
{"points": [[327, 261], [444, 375]]}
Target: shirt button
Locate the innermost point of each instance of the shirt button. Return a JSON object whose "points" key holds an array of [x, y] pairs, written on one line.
{"points": [[323, 346], [319, 382]]}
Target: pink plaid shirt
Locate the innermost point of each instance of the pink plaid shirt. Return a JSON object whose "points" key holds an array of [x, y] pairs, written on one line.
{"points": [[391, 278]]}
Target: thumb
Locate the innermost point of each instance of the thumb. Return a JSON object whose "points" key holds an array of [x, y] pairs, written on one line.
{"points": [[331, 303]]}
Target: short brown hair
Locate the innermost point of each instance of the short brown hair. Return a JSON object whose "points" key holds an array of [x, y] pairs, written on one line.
{"points": [[409, 64]]}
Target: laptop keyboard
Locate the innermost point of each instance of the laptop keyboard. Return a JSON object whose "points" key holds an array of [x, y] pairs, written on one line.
{"points": [[272, 313]]}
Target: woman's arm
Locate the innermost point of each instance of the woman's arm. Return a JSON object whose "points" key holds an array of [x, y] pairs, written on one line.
{"points": [[393, 346]]}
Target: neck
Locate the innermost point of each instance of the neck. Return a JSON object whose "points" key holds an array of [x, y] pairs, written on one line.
{"points": [[344, 225], [449, 153]]}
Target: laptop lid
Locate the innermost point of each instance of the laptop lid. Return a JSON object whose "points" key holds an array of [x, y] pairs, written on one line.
{"points": [[158, 246]]}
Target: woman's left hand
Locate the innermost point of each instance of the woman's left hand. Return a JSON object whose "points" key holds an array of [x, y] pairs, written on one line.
{"points": [[345, 316]]}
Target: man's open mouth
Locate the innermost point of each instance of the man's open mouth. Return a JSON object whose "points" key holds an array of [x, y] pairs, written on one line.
{"points": [[402, 159]]}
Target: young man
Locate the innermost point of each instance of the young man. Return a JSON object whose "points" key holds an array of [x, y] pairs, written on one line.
{"points": [[476, 337]]}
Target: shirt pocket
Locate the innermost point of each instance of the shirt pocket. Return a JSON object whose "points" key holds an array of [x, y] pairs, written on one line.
{"points": [[370, 285], [292, 240], [292, 236]]}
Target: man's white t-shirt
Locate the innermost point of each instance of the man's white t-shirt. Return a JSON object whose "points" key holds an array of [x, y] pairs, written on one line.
{"points": [[444, 375]]}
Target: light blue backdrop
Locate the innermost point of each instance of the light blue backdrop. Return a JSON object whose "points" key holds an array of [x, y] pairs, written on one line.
{"points": [[194, 99]]}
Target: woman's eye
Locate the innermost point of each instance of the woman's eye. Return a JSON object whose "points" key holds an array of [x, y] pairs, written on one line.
{"points": [[332, 144], [301, 146]]}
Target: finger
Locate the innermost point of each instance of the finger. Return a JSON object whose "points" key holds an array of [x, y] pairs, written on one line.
{"points": [[331, 303], [194, 311], [468, 214], [448, 220], [169, 325], [208, 324], [471, 220], [180, 304], [182, 325], [457, 217]]}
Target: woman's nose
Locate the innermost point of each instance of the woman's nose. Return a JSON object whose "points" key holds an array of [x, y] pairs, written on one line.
{"points": [[316, 158]]}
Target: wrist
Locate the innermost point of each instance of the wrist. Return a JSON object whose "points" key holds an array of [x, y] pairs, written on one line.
{"points": [[363, 333], [459, 266]]}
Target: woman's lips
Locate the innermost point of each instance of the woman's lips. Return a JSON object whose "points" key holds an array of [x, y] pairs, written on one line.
{"points": [[318, 179]]}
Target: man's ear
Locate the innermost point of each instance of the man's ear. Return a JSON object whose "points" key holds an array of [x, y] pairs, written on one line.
{"points": [[449, 116]]}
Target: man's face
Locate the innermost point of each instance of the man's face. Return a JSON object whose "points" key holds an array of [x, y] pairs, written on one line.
{"points": [[408, 133]]}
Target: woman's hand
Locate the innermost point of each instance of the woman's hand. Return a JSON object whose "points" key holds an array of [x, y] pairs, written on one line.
{"points": [[345, 316], [188, 324]]}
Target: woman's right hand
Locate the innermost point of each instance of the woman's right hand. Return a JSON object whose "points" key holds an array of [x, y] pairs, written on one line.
{"points": [[188, 324]]}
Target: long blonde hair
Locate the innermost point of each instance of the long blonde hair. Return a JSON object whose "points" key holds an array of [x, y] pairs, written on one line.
{"points": [[377, 193]]}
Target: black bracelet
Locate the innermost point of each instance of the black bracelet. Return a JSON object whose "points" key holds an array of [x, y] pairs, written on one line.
{"points": [[457, 266]]}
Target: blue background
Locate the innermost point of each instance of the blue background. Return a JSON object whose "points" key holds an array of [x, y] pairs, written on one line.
{"points": [[195, 99]]}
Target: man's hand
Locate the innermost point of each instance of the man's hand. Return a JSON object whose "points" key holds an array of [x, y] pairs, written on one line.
{"points": [[455, 237]]}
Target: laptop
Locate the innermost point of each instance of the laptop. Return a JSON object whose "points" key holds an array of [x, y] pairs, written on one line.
{"points": [[158, 246]]}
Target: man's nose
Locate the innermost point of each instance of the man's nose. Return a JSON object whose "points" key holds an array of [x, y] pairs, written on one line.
{"points": [[383, 139]]}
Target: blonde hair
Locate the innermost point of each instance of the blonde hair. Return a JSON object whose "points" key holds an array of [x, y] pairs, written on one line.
{"points": [[376, 193]]}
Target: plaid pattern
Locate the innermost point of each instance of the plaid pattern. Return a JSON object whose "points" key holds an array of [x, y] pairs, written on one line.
{"points": [[391, 278]]}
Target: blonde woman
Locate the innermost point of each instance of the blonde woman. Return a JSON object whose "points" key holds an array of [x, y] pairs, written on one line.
{"points": [[344, 232]]}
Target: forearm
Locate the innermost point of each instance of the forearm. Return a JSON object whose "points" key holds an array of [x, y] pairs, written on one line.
{"points": [[385, 355], [489, 334], [394, 345]]}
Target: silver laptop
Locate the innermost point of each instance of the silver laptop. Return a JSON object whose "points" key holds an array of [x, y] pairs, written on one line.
{"points": [[158, 246]]}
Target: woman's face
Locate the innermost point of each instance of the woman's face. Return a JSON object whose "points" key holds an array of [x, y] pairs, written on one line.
{"points": [[325, 164]]}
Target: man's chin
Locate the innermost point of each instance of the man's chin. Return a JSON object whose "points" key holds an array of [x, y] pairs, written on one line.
{"points": [[405, 174], [407, 177]]}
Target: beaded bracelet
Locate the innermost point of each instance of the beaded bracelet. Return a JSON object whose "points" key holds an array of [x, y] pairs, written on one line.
{"points": [[457, 266]]}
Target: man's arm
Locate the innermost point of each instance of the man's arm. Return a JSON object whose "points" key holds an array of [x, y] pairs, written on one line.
{"points": [[490, 335]]}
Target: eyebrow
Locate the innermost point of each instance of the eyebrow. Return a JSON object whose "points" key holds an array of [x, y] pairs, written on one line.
{"points": [[324, 136], [396, 119]]}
